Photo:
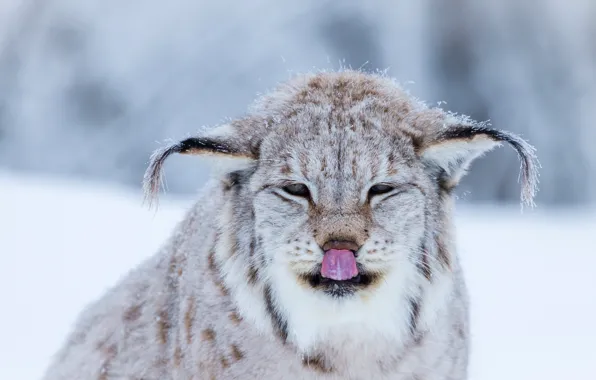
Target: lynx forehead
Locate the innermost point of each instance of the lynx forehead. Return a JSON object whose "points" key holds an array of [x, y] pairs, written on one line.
{"points": [[325, 253]]}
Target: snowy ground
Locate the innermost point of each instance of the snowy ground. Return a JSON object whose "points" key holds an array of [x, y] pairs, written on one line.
{"points": [[530, 275]]}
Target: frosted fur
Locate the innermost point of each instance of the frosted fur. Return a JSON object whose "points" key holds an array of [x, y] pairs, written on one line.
{"points": [[232, 294]]}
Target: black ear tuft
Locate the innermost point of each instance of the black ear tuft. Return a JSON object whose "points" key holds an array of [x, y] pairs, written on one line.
{"points": [[456, 147], [152, 179]]}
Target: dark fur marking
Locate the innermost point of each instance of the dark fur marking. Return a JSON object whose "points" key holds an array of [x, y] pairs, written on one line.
{"points": [[233, 179], [132, 313], [255, 148], [460, 331], [414, 316], [214, 268], [251, 247], [316, 363], [424, 265], [446, 185], [279, 323], [442, 253], [211, 264], [110, 353], [316, 83], [391, 159], [163, 326], [339, 157], [235, 318], [303, 160], [352, 123], [237, 179], [285, 169], [224, 362], [324, 164], [215, 271], [253, 274], [435, 172], [416, 143], [234, 245], [237, 354], [222, 288], [208, 335], [189, 318], [177, 356], [173, 265]]}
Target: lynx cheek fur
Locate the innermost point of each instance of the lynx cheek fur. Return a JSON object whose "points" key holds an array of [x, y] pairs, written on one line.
{"points": [[327, 253]]}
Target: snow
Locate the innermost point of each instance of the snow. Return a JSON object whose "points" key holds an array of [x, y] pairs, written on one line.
{"points": [[64, 242]]}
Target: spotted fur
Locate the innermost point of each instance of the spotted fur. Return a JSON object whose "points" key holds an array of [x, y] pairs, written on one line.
{"points": [[236, 293]]}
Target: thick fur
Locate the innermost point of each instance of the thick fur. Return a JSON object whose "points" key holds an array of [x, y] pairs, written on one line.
{"points": [[232, 295]]}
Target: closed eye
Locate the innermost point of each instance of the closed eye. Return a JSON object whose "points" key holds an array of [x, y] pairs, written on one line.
{"points": [[379, 189], [386, 190], [297, 190]]}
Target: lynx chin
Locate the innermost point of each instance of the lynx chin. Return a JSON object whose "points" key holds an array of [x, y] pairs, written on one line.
{"points": [[325, 251]]}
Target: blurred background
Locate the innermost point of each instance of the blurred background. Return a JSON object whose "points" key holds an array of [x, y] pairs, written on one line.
{"points": [[89, 88]]}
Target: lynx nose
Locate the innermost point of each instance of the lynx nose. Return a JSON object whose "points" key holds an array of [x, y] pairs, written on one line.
{"points": [[340, 245]]}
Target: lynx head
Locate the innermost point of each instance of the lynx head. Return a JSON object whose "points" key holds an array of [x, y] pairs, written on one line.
{"points": [[347, 195]]}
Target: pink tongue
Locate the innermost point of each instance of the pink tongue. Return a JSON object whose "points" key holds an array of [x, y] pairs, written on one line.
{"points": [[339, 264]]}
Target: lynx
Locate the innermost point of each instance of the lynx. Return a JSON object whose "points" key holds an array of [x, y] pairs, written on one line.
{"points": [[325, 251]]}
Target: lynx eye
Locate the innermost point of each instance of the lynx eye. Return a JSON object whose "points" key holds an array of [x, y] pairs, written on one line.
{"points": [[297, 189], [379, 189]]}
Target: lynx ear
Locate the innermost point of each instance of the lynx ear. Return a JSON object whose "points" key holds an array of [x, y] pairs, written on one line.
{"points": [[456, 147], [212, 144]]}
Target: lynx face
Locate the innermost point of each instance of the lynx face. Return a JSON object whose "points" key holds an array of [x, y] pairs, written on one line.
{"points": [[338, 210]]}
